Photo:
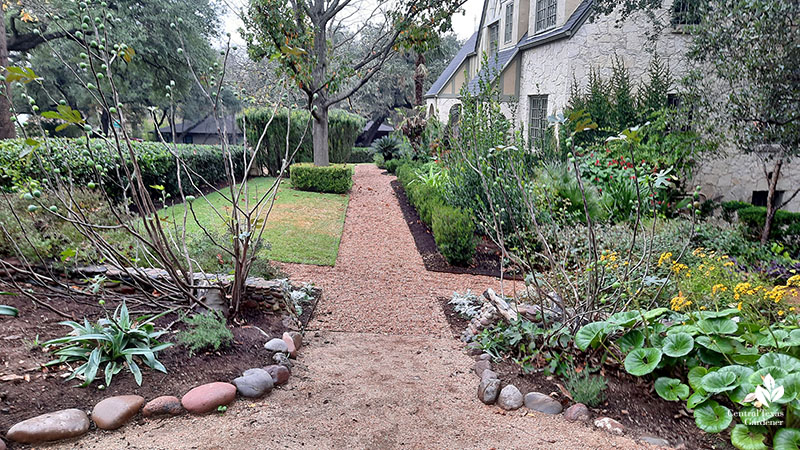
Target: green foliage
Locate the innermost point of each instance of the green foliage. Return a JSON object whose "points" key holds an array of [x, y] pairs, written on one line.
{"points": [[361, 155], [466, 305], [560, 181], [334, 179], [730, 208], [785, 227], [389, 147], [95, 161], [205, 332], [392, 165], [115, 343], [43, 234], [586, 388], [652, 94], [624, 113], [343, 129], [454, 232], [6, 310]]}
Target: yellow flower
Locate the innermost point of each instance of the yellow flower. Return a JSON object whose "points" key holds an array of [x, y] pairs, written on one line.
{"points": [[665, 257], [780, 313], [793, 281], [679, 302], [739, 306], [718, 288]]}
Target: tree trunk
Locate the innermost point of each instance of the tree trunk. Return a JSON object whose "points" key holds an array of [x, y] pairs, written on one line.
{"points": [[319, 133], [369, 136], [773, 183], [419, 79], [7, 129]]}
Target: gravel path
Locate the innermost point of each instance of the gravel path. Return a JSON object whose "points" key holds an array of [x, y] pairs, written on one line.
{"points": [[382, 369]]}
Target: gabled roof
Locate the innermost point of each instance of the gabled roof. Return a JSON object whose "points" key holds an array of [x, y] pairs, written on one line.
{"points": [[382, 127], [497, 62], [572, 24], [206, 125], [466, 50], [494, 66]]}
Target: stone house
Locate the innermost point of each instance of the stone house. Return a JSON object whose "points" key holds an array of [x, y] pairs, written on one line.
{"points": [[535, 48]]}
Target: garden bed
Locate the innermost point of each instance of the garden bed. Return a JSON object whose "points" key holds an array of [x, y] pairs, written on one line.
{"points": [[487, 254], [40, 390], [628, 400]]}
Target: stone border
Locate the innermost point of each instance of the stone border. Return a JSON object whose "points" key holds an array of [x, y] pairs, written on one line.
{"points": [[114, 412]]}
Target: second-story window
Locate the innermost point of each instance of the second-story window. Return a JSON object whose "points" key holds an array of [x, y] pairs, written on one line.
{"points": [[493, 37], [509, 22], [545, 14]]}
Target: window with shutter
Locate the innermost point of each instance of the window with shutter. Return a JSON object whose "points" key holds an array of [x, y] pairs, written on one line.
{"points": [[509, 22]]}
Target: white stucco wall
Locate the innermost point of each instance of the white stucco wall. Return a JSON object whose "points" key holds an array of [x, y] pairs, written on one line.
{"points": [[441, 106], [736, 176], [548, 69]]}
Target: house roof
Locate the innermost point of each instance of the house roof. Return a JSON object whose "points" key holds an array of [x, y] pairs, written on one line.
{"points": [[493, 67], [466, 50], [497, 62], [206, 125], [383, 127]]}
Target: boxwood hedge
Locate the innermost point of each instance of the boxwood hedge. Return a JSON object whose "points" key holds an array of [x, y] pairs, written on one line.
{"points": [[93, 161]]}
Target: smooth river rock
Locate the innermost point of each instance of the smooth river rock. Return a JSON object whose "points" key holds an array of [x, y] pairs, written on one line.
{"points": [[291, 348], [280, 374], [114, 412], [542, 403], [277, 345], [578, 413], [510, 398], [166, 405], [64, 424], [208, 397], [488, 389], [254, 383]]}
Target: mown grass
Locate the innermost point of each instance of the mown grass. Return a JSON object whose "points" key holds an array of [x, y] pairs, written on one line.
{"points": [[303, 227]]}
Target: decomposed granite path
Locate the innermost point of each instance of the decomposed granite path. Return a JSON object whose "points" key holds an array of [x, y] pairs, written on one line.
{"points": [[381, 368]]}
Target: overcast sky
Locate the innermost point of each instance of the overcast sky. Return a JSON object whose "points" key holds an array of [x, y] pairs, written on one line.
{"points": [[464, 24]]}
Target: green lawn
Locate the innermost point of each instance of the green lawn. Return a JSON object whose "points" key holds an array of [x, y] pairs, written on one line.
{"points": [[303, 227]]}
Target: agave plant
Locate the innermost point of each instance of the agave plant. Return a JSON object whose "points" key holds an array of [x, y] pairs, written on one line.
{"points": [[388, 146], [116, 342]]}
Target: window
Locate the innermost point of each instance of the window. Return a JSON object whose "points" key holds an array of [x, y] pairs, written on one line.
{"points": [[759, 198], [545, 14], [686, 12], [509, 22], [493, 36], [188, 139], [537, 118]]}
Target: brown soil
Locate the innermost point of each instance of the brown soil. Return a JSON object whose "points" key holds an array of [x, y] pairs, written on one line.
{"points": [[628, 400], [487, 255], [44, 390], [382, 371]]}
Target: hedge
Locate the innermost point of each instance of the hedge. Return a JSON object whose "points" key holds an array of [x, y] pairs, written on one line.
{"points": [[730, 208], [334, 179], [78, 160], [785, 226], [453, 228], [454, 233], [343, 129], [361, 155]]}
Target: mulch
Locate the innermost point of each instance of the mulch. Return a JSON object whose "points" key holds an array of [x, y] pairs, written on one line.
{"points": [[629, 400], [44, 390], [487, 253]]}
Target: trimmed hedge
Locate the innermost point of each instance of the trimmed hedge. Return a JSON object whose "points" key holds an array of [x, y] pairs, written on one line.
{"points": [[729, 209], [785, 226], [454, 233], [453, 228], [361, 155], [333, 179], [78, 160], [343, 129]]}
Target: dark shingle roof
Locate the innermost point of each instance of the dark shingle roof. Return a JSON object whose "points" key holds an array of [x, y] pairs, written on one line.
{"points": [[206, 125], [467, 49], [572, 24], [494, 65], [382, 127], [497, 62]]}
